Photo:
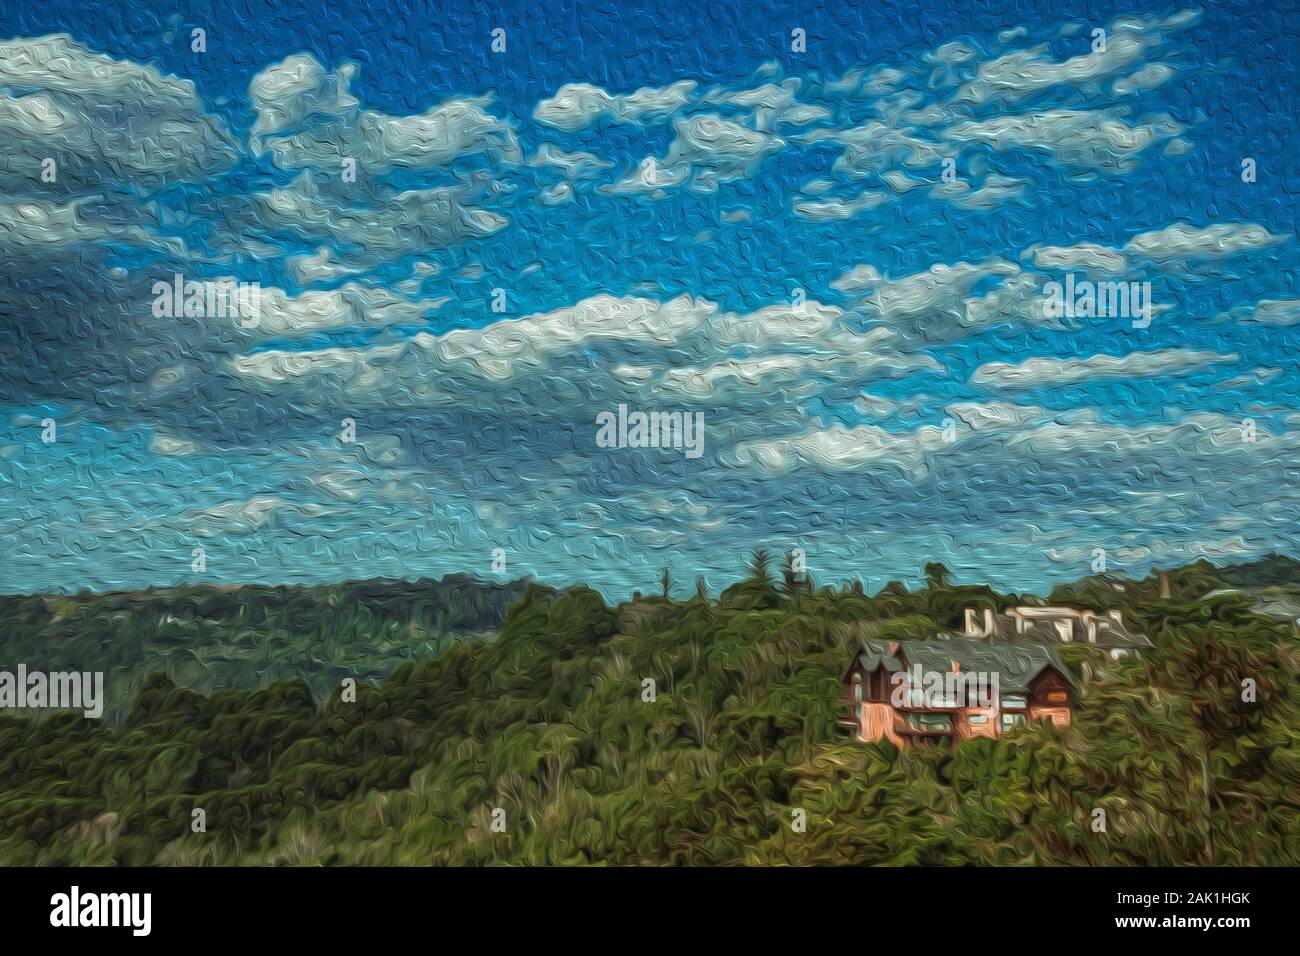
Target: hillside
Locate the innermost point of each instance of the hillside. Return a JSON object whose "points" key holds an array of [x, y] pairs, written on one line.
{"points": [[552, 727], [208, 638]]}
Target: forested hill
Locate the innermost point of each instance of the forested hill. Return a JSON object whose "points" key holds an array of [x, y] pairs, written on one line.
{"points": [[236, 637], [686, 731]]}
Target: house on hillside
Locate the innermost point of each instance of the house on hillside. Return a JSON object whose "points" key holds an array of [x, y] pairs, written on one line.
{"points": [[943, 691], [1032, 624]]}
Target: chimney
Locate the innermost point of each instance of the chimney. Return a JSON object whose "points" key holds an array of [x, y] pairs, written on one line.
{"points": [[956, 667], [970, 622], [894, 648]]}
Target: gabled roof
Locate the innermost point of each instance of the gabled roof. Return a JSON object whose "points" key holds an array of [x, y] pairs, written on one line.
{"points": [[1017, 665], [875, 654]]}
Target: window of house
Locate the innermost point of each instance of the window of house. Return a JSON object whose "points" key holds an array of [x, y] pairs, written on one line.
{"points": [[1011, 721], [1058, 697], [1013, 703], [941, 697], [857, 693], [978, 718], [930, 723]]}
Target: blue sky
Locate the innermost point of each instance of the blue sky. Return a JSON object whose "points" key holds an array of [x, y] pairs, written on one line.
{"points": [[681, 212]]}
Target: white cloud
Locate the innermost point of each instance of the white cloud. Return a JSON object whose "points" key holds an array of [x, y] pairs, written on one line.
{"points": [[30, 224], [101, 119], [1087, 139], [318, 266], [320, 124], [1020, 73], [410, 372], [769, 96], [378, 142], [1198, 434], [576, 105], [874, 147], [287, 93], [501, 349], [858, 279], [1007, 433], [836, 209], [409, 221], [1185, 241], [1085, 256], [937, 304], [841, 449], [794, 374], [771, 104], [1149, 77], [651, 176], [995, 191], [938, 288], [706, 151], [719, 150], [557, 195], [171, 446], [349, 306], [986, 416], [576, 165], [241, 516], [1038, 371], [1254, 378], [1274, 312], [899, 182]]}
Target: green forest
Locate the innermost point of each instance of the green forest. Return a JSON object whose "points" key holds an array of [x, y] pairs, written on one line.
{"points": [[517, 724]]}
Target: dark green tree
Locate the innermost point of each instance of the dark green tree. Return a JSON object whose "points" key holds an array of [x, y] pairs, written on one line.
{"points": [[937, 576]]}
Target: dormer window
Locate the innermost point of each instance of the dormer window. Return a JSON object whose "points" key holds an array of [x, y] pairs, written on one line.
{"points": [[930, 723]]}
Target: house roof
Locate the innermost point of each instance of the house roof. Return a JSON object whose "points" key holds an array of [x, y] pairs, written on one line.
{"points": [[1015, 664], [1036, 632], [1043, 631]]}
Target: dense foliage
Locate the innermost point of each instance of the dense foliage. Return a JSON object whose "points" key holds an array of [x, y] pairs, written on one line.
{"points": [[553, 724], [224, 638]]}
